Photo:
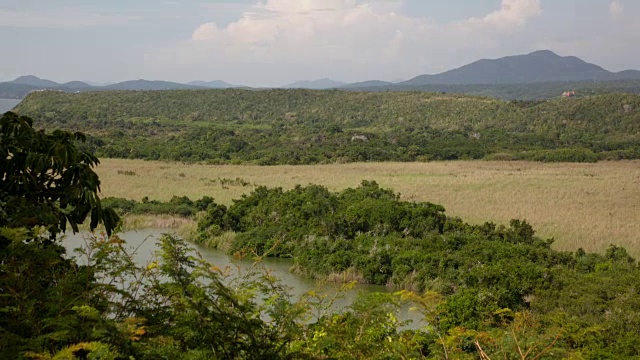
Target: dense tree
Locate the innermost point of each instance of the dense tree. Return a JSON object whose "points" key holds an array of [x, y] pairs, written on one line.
{"points": [[502, 289], [303, 127], [46, 180]]}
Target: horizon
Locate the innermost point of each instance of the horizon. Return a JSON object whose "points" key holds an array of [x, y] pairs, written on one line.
{"points": [[297, 82], [273, 43]]}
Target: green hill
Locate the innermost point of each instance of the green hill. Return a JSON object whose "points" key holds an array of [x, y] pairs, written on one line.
{"points": [[304, 126], [526, 92]]}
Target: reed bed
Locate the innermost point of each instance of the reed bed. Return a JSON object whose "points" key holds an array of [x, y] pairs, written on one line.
{"points": [[580, 205]]}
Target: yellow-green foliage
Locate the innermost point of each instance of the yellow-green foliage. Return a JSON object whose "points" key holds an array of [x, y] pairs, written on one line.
{"points": [[90, 351]]}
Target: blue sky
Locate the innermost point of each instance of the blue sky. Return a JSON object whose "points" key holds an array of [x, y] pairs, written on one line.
{"points": [[274, 42]]}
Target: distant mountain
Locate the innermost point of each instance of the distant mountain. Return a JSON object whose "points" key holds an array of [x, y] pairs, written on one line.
{"points": [[509, 77], [76, 85], [626, 75], [366, 84], [20, 87], [148, 85], [11, 90], [536, 67], [35, 81], [319, 84], [216, 84]]}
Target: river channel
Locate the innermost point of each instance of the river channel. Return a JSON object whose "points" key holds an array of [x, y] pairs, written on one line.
{"points": [[144, 242]]}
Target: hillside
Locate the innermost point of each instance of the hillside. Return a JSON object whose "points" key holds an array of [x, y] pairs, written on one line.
{"points": [[535, 91], [521, 92], [304, 126], [539, 66]]}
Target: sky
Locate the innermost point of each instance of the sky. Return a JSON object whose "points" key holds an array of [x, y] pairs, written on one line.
{"points": [[276, 42]]}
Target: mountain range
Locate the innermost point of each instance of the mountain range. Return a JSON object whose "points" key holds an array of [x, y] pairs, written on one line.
{"points": [[20, 87], [539, 69]]}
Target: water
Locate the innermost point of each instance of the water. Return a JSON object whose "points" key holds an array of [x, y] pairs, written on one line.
{"points": [[145, 243], [8, 104]]}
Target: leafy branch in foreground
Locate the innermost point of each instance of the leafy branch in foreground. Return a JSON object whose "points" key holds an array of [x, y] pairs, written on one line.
{"points": [[46, 180]]}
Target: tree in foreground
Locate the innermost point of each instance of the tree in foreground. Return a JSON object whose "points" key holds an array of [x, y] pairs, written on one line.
{"points": [[47, 183]]}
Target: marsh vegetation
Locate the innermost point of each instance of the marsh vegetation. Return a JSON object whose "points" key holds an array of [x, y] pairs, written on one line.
{"points": [[579, 205]]}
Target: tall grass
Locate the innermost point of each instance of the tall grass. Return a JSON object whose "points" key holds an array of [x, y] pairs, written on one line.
{"points": [[184, 227], [580, 205]]}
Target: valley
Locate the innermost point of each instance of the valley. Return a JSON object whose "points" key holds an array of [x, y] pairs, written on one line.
{"points": [[320, 179]]}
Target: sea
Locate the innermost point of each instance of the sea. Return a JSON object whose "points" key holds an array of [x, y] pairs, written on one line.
{"points": [[8, 104]]}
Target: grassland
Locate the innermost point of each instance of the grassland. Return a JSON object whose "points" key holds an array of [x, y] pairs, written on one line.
{"points": [[580, 205]]}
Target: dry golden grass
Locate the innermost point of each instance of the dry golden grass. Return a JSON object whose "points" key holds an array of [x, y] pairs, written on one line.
{"points": [[182, 226], [581, 205], [347, 276], [136, 222]]}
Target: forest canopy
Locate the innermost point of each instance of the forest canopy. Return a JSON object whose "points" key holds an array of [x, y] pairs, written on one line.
{"points": [[270, 127]]}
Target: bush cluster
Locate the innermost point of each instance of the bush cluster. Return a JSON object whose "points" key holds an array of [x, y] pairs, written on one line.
{"points": [[478, 269], [178, 205]]}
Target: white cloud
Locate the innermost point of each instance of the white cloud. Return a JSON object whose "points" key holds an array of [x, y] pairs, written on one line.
{"points": [[616, 8], [362, 38], [60, 18], [513, 13], [608, 42]]}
